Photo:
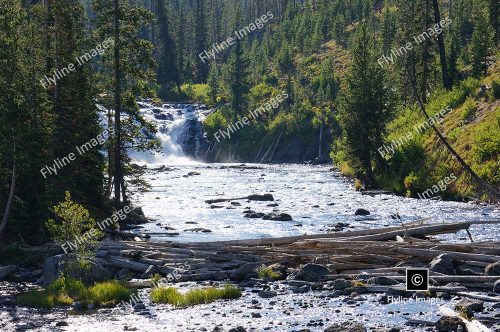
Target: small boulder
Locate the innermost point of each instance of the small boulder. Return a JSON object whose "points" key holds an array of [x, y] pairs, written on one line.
{"points": [[341, 284], [245, 272], [255, 215], [346, 327], [496, 286], [384, 281], [442, 264], [261, 198], [469, 307], [449, 324], [150, 271], [361, 212], [267, 294], [312, 272]]}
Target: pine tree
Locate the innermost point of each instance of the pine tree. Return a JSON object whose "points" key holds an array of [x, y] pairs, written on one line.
{"points": [[213, 82], [482, 40], [201, 39], [363, 107]]}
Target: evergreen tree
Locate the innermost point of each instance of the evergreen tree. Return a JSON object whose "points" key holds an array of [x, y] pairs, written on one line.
{"points": [[363, 107], [482, 39], [201, 39]]}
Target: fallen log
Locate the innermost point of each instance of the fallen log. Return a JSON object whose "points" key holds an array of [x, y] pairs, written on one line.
{"points": [[453, 255]]}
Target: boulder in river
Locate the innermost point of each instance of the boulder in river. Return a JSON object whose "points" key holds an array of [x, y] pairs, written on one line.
{"points": [[361, 212], [449, 324], [54, 266], [198, 229], [312, 272], [442, 264], [261, 198], [469, 307], [255, 215], [245, 272], [346, 327], [278, 217]]}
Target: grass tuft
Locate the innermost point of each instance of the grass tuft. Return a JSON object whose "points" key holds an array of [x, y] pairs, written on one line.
{"points": [[266, 272], [195, 296], [65, 291]]}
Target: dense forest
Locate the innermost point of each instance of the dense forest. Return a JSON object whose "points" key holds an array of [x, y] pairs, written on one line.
{"points": [[358, 75]]}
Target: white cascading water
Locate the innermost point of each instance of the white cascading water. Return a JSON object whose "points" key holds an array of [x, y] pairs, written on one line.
{"points": [[175, 123]]}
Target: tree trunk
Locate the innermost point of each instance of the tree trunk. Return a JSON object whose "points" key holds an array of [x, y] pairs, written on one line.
{"points": [[442, 51], [9, 200], [118, 164], [494, 192]]}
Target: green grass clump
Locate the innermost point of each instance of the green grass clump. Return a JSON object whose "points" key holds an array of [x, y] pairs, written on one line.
{"points": [[65, 291], [469, 109], [195, 296], [108, 292], [43, 299], [266, 272]]}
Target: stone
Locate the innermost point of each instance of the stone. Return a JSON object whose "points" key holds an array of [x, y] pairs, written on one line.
{"points": [[384, 281], [449, 324], [267, 294], [442, 264], [62, 323], [245, 272], [361, 212], [238, 329], [6, 270], [255, 215], [54, 266], [341, 284], [469, 307], [346, 327], [312, 272], [261, 198], [492, 269], [395, 292]]}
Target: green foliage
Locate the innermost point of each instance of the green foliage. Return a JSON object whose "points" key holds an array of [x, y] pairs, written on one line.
{"points": [[109, 292], [72, 221], [266, 272], [195, 296], [469, 109], [199, 93], [43, 299]]}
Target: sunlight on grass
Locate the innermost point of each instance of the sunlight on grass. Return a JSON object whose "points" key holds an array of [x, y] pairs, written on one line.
{"points": [[195, 296], [65, 291]]}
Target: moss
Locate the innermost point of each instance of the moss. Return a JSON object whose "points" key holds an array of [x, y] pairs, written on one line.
{"points": [[195, 296], [266, 272]]}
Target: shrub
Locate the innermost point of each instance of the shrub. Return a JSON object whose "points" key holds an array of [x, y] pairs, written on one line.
{"points": [[266, 272], [469, 109], [195, 296]]}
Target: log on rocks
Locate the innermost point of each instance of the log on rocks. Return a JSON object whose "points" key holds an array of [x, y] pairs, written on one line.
{"points": [[121, 262], [256, 197], [452, 255], [127, 235]]}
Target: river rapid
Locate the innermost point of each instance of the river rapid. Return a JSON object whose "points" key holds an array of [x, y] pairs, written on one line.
{"points": [[317, 197]]}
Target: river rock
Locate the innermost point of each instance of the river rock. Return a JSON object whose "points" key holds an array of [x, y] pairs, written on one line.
{"points": [[395, 292], [237, 329], [261, 198], [492, 269], [449, 324], [136, 216], [469, 306], [312, 272], [341, 284], [346, 327], [267, 294], [54, 266], [278, 217], [245, 272], [6, 270], [384, 281], [255, 215], [151, 270], [442, 264], [198, 229], [361, 212]]}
